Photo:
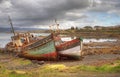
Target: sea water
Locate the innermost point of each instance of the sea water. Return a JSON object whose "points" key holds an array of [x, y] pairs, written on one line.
{"points": [[85, 40], [6, 37]]}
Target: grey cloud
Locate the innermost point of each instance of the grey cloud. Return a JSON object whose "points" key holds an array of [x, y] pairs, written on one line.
{"points": [[40, 12], [1, 1], [35, 12], [106, 6], [76, 18]]}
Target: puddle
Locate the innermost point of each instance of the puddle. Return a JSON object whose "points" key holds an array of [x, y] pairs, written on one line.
{"points": [[89, 40], [98, 47]]}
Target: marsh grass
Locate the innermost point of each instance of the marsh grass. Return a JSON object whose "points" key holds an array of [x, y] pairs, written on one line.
{"points": [[22, 61], [18, 75], [58, 70], [114, 67]]}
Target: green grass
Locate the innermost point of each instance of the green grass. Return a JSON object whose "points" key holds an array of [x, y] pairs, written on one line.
{"points": [[24, 62], [17, 75], [59, 70], [115, 67], [54, 67]]}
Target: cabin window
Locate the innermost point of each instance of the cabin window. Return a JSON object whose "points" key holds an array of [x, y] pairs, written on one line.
{"points": [[22, 40]]}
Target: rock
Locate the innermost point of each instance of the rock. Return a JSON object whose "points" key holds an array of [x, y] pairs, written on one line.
{"points": [[38, 62], [41, 62]]}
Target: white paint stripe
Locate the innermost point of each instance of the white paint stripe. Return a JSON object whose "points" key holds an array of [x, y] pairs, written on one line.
{"points": [[72, 51]]}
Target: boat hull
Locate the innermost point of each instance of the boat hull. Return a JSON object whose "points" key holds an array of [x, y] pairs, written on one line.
{"points": [[72, 53], [47, 56], [46, 51], [70, 49], [41, 49]]}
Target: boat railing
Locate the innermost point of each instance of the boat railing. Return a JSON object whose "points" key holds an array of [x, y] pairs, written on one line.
{"points": [[68, 44]]}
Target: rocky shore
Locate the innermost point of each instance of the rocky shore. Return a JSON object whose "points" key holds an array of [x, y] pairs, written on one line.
{"points": [[101, 48]]}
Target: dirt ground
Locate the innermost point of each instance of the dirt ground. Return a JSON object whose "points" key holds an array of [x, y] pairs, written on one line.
{"points": [[101, 48], [96, 60]]}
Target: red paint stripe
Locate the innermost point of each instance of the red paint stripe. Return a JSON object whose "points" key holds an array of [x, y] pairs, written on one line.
{"points": [[68, 43], [52, 54], [49, 56]]}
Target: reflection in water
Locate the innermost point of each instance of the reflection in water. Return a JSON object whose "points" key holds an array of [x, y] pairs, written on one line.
{"points": [[98, 40], [89, 40]]}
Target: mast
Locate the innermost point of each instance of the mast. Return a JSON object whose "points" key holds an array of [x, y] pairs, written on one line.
{"points": [[11, 25], [57, 26]]}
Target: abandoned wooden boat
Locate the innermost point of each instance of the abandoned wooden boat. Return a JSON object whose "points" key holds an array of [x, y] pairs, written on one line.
{"points": [[43, 49], [28, 46], [33, 47], [70, 49]]}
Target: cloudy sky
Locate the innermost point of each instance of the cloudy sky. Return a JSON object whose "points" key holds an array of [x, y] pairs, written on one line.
{"points": [[41, 13]]}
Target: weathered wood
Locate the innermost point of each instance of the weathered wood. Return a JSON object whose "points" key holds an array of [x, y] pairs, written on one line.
{"points": [[70, 49]]}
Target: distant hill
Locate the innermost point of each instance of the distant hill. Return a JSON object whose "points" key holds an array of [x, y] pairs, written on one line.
{"points": [[5, 29], [2, 29]]}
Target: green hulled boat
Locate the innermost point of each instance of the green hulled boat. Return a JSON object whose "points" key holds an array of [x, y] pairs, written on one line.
{"points": [[43, 49], [33, 47]]}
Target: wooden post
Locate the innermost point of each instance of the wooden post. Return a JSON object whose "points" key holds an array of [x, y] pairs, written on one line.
{"points": [[81, 46]]}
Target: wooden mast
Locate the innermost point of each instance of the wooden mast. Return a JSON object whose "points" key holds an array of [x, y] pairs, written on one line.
{"points": [[11, 25], [57, 26]]}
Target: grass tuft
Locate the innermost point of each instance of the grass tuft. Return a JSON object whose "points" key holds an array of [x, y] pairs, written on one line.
{"points": [[54, 67]]}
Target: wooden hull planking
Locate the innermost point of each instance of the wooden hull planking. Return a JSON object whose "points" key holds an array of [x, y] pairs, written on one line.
{"points": [[43, 49], [70, 49], [73, 53]]}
